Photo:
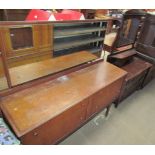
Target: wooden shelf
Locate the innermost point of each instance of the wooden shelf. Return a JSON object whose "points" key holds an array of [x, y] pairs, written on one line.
{"points": [[135, 68], [59, 33], [76, 42], [125, 54]]}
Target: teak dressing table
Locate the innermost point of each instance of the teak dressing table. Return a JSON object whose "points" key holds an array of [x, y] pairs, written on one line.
{"points": [[50, 98]]}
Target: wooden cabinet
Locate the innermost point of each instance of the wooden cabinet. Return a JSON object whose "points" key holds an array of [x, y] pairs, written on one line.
{"points": [[137, 71], [48, 117]]}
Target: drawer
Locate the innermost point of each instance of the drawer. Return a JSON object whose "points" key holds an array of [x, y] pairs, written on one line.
{"points": [[132, 85], [58, 127]]}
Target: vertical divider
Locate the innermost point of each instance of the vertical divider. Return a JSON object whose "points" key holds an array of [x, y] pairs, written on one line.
{"points": [[4, 61]]}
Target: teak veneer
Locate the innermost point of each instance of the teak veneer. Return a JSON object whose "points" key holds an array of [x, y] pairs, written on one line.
{"points": [[50, 111]]}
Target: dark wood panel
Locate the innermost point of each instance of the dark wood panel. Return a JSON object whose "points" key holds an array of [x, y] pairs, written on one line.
{"points": [[13, 14]]}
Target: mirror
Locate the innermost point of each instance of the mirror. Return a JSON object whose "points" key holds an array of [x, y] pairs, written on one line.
{"points": [[131, 25], [128, 32], [38, 50]]}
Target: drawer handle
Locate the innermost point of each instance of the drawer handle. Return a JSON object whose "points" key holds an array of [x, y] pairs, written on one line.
{"points": [[35, 134], [83, 105]]}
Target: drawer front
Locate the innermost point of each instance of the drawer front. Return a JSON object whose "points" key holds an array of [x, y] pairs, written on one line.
{"points": [[59, 127], [104, 97], [132, 85]]}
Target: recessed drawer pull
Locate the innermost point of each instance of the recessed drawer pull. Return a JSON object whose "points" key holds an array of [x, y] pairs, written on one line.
{"points": [[35, 134]]}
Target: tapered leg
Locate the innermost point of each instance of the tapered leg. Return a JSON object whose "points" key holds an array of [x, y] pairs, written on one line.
{"points": [[107, 111]]}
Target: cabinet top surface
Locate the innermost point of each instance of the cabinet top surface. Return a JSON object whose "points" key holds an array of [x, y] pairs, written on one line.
{"points": [[34, 106]]}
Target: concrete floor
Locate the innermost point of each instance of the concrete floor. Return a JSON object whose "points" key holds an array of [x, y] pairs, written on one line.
{"points": [[133, 122]]}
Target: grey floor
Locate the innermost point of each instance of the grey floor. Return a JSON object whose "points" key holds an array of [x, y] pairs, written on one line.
{"points": [[133, 122]]}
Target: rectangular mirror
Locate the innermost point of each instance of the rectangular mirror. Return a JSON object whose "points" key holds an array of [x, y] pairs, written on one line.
{"points": [[128, 32], [39, 50]]}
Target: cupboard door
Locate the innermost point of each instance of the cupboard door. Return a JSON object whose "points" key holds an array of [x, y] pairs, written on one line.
{"points": [[59, 127], [104, 97]]}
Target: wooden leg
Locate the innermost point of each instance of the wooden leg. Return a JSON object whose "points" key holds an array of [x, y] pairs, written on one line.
{"points": [[0, 113], [116, 104], [107, 111]]}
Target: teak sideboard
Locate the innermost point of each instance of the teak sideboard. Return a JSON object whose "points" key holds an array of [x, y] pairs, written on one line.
{"points": [[48, 112]]}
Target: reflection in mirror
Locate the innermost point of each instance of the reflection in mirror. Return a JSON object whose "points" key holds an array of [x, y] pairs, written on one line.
{"points": [[126, 28], [54, 49], [129, 32], [3, 81], [21, 37], [28, 72]]}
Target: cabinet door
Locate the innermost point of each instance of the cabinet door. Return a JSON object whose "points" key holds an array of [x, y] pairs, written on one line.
{"points": [[59, 127], [104, 97]]}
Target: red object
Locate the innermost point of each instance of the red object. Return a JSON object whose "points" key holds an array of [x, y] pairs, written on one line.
{"points": [[61, 16], [69, 15], [41, 15], [74, 15], [38, 15]]}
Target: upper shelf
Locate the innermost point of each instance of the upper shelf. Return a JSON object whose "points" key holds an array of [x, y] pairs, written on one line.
{"points": [[58, 33], [58, 45]]}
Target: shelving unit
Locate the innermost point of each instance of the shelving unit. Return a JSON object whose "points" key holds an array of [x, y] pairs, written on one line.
{"points": [[74, 31], [70, 37], [75, 41]]}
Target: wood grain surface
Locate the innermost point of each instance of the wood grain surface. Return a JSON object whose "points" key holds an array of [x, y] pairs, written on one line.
{"points": [[30, 108]]}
